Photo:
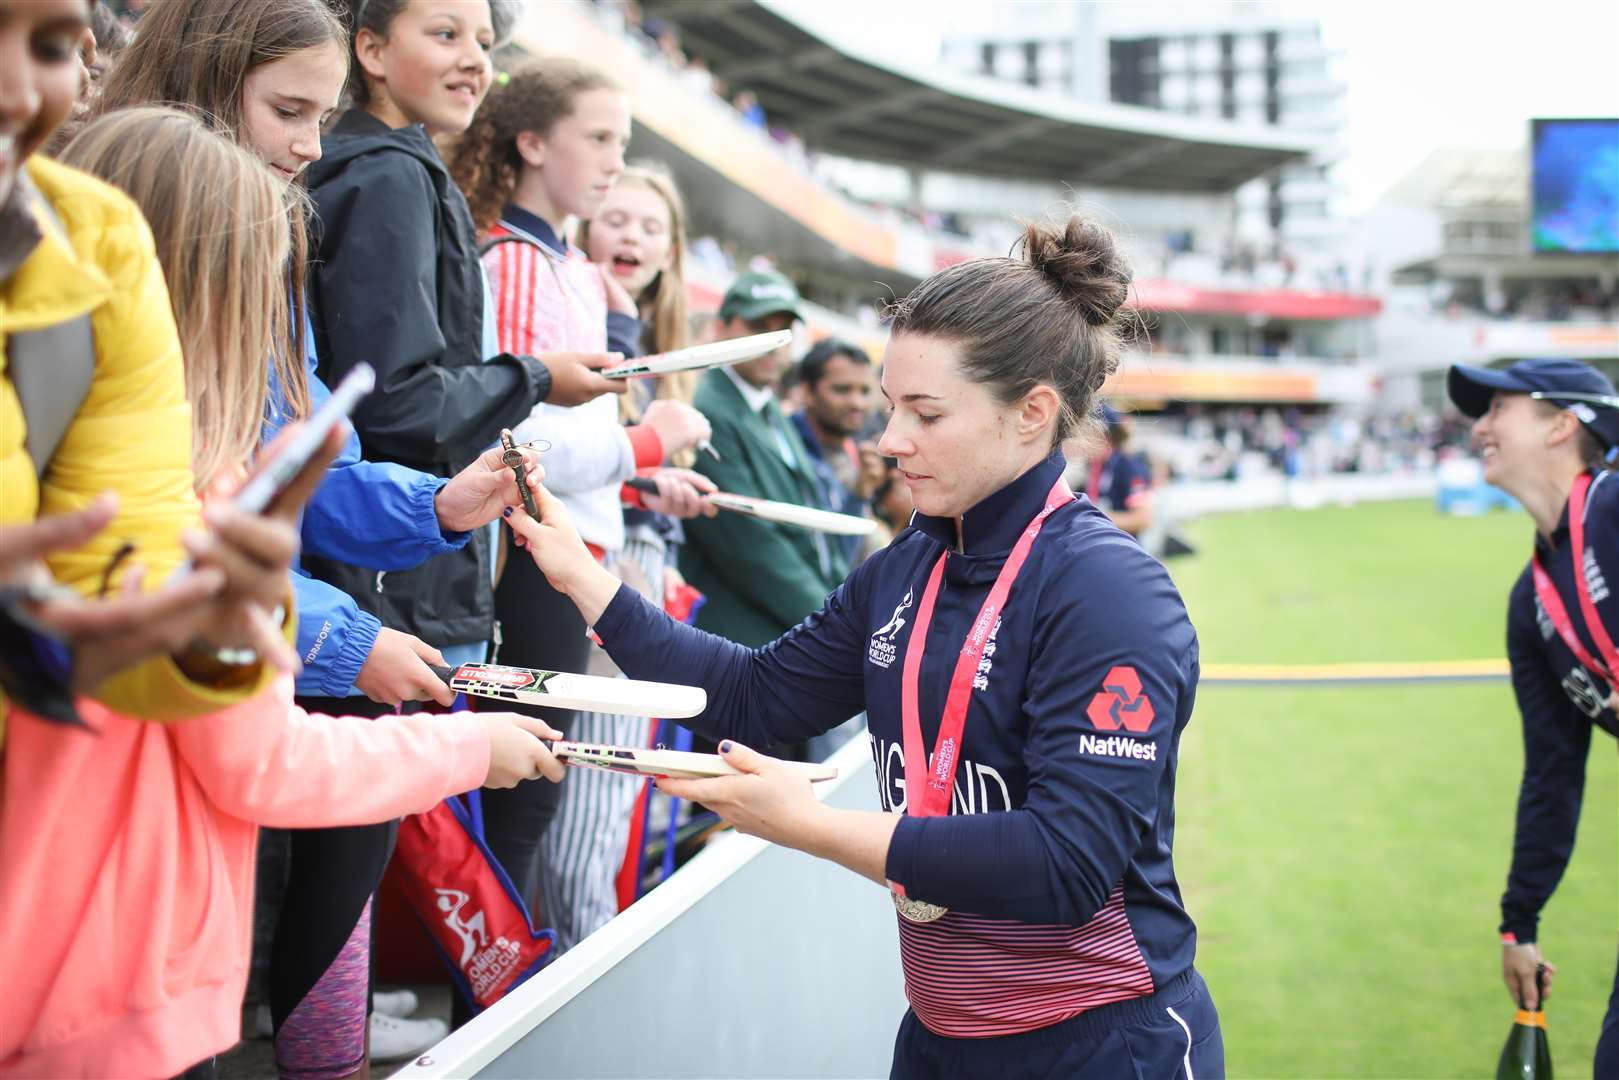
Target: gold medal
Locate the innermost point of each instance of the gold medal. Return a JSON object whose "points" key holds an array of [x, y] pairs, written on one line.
{"points": [[917, 911]]}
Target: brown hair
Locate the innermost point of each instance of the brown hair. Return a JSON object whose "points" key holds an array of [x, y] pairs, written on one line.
{"points": [[663, 301], [378, 17], [223, 243], [197, 54], [1593, 455], [485, 161], [1050, 314], [1592, 452]]}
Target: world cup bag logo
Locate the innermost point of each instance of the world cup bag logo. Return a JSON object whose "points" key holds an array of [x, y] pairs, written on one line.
{"points": [[476, 918]]}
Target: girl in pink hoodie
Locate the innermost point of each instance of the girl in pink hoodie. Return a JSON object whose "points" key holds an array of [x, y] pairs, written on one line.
{"points": [[127, 848]]}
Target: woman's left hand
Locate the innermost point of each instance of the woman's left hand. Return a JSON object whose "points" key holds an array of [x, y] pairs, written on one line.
{"points": [[767, 800], [618, 297], [477, 494]]}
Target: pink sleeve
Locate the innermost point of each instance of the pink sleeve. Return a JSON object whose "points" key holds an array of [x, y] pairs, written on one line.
{"points": [[509, 268], [269, 762]]}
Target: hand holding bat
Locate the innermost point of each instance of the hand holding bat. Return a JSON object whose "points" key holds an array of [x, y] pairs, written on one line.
{"points": [[676, 492], [516, 752], [770, 799]]}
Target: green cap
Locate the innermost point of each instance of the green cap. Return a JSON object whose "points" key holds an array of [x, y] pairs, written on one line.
{"points": [[758, 293]]}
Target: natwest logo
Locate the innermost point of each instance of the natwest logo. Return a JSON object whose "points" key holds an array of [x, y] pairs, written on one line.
{"points": [[1120, 703], [1118, 746]]}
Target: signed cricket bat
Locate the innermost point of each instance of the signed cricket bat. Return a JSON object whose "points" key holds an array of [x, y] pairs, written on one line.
{"points": [[561, 690], [676, 764], [805, 517], [714, 354]]}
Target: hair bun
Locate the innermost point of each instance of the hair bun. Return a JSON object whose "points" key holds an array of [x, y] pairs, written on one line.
{"points": [[1082, 260]]}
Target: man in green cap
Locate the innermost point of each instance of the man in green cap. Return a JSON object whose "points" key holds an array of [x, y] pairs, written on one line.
{"points": [[760, 578]]}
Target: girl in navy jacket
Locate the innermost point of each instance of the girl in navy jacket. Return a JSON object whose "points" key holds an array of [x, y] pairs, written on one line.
{"points": [[1548, 430], [1021, 644]]}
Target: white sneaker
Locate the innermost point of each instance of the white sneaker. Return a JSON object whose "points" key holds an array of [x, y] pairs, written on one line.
{"points": [[400, 1003], [393, 1039]]}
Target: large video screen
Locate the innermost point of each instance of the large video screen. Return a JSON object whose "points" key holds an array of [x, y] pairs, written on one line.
{"points": [[1576, 186]]}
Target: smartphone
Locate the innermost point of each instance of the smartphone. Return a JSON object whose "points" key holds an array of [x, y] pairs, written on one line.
{"points": [[273, 476]]}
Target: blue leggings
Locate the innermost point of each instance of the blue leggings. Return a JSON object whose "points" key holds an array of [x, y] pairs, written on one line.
{"points": [[1174, 1033]]}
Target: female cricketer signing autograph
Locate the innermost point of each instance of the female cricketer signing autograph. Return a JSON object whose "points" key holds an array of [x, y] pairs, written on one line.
{"points": [[1018, 642]]}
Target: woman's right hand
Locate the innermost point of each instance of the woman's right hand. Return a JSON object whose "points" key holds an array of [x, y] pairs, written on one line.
{"points": [[561, 556], [1518, 966], [576, 377], [516, 752], [679, 426]]}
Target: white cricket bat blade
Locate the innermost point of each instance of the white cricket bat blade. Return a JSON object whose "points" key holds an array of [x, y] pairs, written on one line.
{"points": [[713, 354], [805, 517], [675, 764], [561, 690]]}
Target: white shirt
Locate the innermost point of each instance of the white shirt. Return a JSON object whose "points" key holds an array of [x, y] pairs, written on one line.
{"points": [[757, 398]]}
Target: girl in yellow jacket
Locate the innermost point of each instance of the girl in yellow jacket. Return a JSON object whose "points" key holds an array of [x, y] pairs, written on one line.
{"points": [[168, 844], [72, 247]]}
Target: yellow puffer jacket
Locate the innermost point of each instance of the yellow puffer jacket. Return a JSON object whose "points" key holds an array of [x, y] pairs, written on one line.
{"points": [[132, 434]]}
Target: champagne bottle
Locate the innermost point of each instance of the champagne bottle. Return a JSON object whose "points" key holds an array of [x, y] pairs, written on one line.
{"points": [[1527, 1055]]}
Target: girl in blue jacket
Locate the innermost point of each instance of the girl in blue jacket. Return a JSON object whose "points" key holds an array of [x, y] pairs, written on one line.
{"points": [[1027, 671]]}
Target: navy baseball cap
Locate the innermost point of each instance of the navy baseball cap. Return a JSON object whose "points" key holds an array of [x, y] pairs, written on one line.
{"points": [[1579, 388]]}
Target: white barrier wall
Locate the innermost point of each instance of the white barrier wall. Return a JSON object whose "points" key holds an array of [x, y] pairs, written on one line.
{"points": [[752, 961]]}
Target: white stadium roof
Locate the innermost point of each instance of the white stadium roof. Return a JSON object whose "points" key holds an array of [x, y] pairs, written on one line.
{"points": [[844, 99]]}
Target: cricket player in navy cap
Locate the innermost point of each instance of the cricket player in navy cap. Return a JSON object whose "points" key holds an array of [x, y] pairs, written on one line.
{"points": [[1548, 431], [1120, 481]]}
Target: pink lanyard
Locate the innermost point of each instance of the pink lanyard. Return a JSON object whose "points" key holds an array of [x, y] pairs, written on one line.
{"points": [[927, 789], [1608, 666]]}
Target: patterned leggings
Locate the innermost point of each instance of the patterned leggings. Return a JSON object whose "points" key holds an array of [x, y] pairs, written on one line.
{"points": [[324, 1036]]}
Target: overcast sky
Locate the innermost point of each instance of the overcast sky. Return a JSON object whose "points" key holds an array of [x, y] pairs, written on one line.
{"points": [[1422, 74]]}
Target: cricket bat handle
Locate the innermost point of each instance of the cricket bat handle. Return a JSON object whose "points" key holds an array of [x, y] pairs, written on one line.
{"points": [[644, 484], [448, 673]]}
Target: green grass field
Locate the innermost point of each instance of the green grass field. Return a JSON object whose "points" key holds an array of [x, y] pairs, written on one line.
{"points": [[1343, 850]]}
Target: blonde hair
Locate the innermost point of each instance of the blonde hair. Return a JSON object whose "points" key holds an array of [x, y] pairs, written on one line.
{"points": [[663, 301], [220, 220]]}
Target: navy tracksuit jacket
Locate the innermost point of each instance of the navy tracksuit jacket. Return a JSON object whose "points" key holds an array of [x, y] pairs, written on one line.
{"points": [[1055, 860]]}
